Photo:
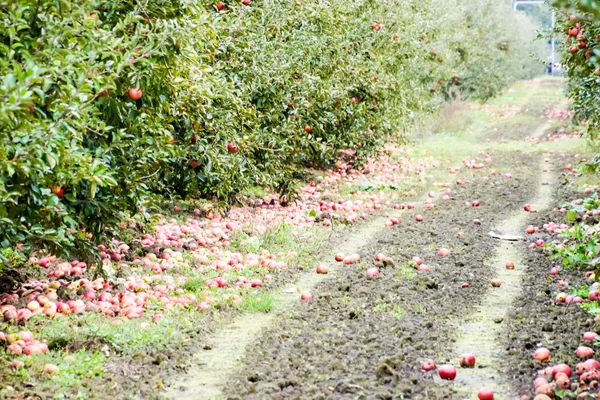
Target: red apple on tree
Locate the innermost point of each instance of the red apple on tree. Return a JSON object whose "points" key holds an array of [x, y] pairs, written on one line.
{"points": [[134, 94], [220, 6], [232, 148], [58, 190]]}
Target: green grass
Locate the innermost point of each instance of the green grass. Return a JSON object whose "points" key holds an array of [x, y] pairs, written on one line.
{"points": [[405, 272], [122, 336], [395, 310], [256, 302], [367, 186], [194, 284], [76, 366], [76, 371], [275, 240], [456, 141]]}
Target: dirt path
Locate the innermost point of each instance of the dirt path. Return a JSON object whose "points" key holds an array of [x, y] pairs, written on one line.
{"points": [[366, 337], [482, 334], [222, 355]]}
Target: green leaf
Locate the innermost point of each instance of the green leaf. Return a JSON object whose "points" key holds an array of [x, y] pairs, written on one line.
{"points": [[51, 160], [571, 216]]}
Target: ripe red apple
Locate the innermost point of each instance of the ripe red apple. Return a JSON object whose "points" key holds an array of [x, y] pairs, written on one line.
{"points": [[17, 364], [134, 94], [51, 369], [584, 352], [321, 269], [419, 218], [496, 282], [306, 296], [339, 257], [447, 372], [232, 148], [246, 2], [467, 361], [58, 190], [371, 272], [14, 349], [193, 163], [561, 297], [527, 207], [417, 260], [542, 354], [428, 365], [573, 32], [475, 203], [561, 368], [220, 6], [32, 349], [591, 364], [540, 381], [590, 336], [510, 265], [307, 129], [485, 394]]}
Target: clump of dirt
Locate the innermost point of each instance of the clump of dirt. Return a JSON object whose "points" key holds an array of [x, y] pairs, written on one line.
{"points": [[367, 338]]}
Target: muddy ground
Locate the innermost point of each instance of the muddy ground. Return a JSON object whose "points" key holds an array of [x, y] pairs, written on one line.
{"points": [[366, 338]]}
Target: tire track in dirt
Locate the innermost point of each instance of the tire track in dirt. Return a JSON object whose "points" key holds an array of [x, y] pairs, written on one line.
{"points": [[536, 319], [482, 333], [366, 338], [214, 365]]}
